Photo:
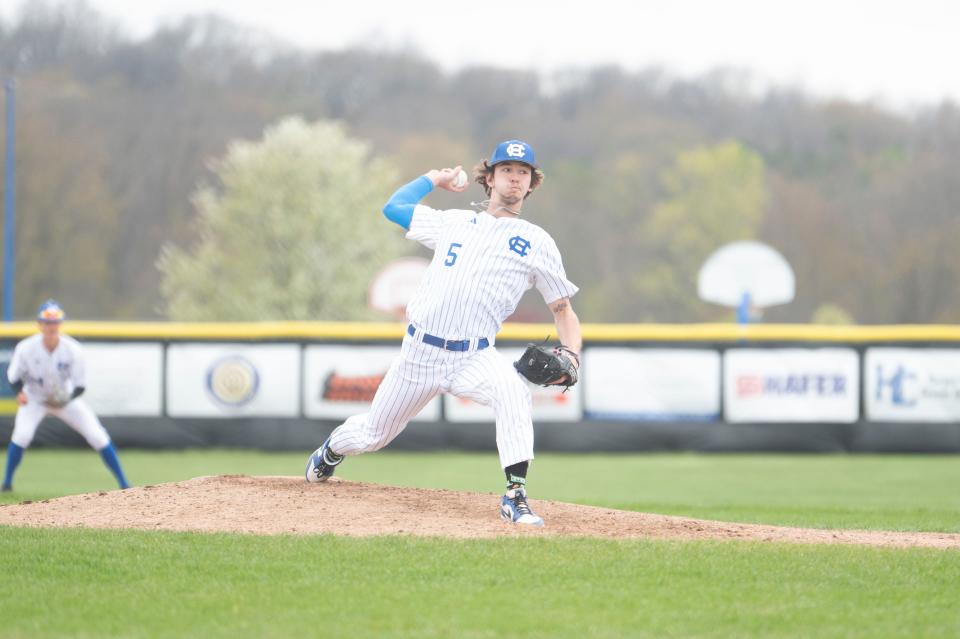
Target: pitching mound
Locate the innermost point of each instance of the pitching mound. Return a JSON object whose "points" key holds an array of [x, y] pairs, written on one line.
{"points": [[288, 505]]}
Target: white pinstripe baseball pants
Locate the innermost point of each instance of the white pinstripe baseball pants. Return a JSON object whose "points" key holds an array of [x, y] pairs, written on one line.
{"points": [[419, 373]]}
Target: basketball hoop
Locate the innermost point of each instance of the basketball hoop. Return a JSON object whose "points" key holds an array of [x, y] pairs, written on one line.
{"points": [[394, 286], [747, 276]]}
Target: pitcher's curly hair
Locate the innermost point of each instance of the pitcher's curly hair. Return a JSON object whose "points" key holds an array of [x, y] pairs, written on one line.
{"points": [[484, 169]]}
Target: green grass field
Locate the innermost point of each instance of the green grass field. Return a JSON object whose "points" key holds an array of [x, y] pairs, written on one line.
{"points": [[83, 583]]}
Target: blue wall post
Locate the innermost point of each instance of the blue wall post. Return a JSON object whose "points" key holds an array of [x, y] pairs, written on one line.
{"points": [[743, 310], [9, 203]]}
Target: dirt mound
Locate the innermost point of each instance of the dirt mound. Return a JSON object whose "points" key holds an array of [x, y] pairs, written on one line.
{"points": [[288, 505]]}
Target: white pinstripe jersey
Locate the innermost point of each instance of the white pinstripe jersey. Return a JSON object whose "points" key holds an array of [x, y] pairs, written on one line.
{"points": [[45, 374], [481, 267]]}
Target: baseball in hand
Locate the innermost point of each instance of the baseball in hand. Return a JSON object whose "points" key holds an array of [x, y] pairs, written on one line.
{"points": [[460, 180]]}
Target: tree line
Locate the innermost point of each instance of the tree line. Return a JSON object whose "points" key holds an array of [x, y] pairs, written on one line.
{"points": [[120, 144]]}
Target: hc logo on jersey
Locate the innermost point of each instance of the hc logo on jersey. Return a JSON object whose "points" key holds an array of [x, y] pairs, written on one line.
{"points": [[516, 150], [519, 245]]}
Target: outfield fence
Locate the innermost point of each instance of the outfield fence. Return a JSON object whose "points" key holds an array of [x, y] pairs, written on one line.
{"points": [[707, 387]]}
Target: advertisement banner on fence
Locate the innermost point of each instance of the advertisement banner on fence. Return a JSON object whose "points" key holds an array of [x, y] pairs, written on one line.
{"points": [[652, 384], [549, 404], [233, 380], [8, 403], [912, 385], [124, 379], [340, 381], [792, 385]]}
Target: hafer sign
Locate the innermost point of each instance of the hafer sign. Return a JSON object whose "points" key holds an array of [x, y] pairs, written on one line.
{"points": [[791, 385]]}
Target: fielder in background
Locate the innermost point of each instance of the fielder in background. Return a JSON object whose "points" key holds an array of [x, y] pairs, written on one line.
{"points": [[482, 265], [47, 373]]}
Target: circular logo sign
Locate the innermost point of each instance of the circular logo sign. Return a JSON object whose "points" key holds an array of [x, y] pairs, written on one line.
{"points": [[233, 381]]}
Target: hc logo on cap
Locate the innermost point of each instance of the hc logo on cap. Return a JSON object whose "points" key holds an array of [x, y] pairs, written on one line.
{"points": [[513, 151], [50, 311], [516, 150]]}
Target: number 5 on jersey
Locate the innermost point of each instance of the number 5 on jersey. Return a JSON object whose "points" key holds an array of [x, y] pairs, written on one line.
{"points": [[451, 255]]}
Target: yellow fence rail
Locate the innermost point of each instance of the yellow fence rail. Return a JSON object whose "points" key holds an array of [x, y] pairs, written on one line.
{"points": [[360, 331]]}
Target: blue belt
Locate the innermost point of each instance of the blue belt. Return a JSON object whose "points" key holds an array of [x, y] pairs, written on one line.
{"points": [[449, 344]]}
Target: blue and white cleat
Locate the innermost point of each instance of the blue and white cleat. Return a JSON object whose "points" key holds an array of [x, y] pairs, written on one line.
{"points": [[322, 463], [515, 509]]}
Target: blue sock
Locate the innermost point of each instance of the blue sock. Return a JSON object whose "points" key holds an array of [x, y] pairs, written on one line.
{"points": [[14, 455], [110, 458]]}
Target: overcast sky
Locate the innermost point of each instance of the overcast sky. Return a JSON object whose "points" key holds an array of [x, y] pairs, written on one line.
{"points": [[902, 53]]}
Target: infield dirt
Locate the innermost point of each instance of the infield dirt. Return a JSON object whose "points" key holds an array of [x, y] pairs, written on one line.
{"points": [[288, 505]]}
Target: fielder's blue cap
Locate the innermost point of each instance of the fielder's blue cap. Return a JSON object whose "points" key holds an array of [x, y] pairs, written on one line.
{"points": [[513, 151], [50, 312]]}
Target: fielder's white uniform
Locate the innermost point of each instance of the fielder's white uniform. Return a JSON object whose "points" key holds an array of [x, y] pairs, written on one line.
{"points": [[481, 267], [51, 376]]}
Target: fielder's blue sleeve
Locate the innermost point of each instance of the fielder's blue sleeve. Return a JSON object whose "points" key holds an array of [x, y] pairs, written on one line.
{"points": [[399, 207]]}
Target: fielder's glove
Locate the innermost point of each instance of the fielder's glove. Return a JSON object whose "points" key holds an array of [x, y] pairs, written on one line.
{"points": [[548, 366], [58, 399]]}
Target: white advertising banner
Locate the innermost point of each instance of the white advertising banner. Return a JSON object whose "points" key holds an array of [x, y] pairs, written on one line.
{"points": [[124, 380], [549, 404], [233, 380], [8, 405], [340, 381], [792, 385], [912, 385], [652, 384]]}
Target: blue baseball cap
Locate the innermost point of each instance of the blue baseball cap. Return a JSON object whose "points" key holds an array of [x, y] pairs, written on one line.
{"points": [[50, 312], [513, 151]]}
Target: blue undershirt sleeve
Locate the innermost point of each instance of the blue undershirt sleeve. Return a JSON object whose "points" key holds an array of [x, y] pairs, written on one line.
{"points": [[399, 208]]}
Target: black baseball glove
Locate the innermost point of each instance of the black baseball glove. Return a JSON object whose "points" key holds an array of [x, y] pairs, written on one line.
{"points": [[548, 366]]}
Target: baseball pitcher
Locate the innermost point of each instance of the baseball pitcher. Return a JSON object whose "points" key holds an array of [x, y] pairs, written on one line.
{"points": [[483, 263]]}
